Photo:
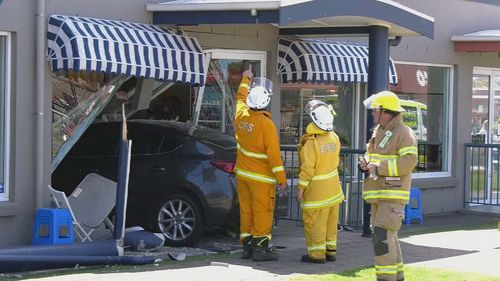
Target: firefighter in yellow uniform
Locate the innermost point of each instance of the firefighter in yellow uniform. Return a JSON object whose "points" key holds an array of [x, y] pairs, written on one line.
{"points": [[391, 157], [259, 168], [319, 190]]}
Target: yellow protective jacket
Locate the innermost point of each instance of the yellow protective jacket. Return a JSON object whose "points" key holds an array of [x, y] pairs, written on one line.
{"points": [[258, 157], [395, 149], [319, 158]]}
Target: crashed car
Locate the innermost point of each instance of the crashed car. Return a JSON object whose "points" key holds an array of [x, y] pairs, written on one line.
{"points": [[181, 176]]}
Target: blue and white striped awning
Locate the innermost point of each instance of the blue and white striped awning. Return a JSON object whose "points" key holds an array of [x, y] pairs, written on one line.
{"points": [[132, 49], [325, 61]]}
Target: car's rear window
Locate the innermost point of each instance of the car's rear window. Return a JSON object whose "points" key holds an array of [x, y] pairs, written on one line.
{"points": [[204, 134], [214, 137]]}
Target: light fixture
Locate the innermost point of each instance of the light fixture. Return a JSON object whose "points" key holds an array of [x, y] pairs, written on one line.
{"points": [[253, 12]]}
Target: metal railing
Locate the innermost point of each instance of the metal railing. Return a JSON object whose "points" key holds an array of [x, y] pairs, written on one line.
{"points": [[351, 210], [482, 174]]}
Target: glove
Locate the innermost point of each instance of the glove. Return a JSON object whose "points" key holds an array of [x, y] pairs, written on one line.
{"points": [[247, 73]]}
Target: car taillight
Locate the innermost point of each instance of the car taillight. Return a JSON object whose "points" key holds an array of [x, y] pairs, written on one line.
{"points": [[226, 166]]}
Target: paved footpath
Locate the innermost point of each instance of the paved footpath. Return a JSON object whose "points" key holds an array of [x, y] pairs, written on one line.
{"points": [[481, 247], [461, 250]]}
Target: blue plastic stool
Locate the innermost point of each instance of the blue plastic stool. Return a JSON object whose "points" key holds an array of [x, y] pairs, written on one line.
{"points": [[413, 210], [53, 226]]}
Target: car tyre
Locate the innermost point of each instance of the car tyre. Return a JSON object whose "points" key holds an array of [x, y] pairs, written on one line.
{"points": [[179, 218]]}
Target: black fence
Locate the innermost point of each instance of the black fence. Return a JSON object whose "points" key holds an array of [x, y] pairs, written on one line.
{"points": [[482, 174], [351, 210]]}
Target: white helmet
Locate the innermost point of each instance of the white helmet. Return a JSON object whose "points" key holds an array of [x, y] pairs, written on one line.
{"points": [[260, 93], [321, 113]]}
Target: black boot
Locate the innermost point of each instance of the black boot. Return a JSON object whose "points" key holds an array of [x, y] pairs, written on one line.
{"points": [[331, 255], [262, 251], [307, 258], [331, 258], [247, 248]]}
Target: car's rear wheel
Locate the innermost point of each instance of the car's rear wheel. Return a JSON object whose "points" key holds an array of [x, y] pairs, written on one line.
{"points": [[178, 217]]}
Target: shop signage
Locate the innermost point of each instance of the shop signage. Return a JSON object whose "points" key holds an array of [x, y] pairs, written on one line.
{"points": [[421, 77], [412, 78]]}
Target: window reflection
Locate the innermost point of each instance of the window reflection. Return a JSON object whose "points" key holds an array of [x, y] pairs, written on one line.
{"points": [[294, 120], [424, 91], [218, 104], [75, 96]]}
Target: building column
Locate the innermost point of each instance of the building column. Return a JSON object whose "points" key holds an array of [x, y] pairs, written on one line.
{"points": [[378, 80], [378, 59]]}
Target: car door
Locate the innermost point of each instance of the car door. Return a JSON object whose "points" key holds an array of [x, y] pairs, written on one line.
{"points": [[147, 170]]}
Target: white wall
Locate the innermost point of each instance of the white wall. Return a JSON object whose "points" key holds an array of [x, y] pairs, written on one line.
{"points": [[452, 17]]}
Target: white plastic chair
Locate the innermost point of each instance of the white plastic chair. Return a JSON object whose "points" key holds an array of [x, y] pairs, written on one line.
{"points": [[89, 204]]}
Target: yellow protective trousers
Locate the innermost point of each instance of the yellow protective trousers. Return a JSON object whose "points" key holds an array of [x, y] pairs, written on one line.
{"points": [[320, 227], [386, 218], [257, 201]]}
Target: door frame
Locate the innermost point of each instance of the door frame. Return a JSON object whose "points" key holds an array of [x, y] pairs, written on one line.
{"points": [[491, 73], [6, 111]]}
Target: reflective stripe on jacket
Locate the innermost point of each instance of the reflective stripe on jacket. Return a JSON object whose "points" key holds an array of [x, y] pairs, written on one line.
{"points": [[319, 158], [395, 150], [258, 155]]}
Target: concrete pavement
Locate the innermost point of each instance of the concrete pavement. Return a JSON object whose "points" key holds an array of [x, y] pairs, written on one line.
{"points": [[482, 249]]}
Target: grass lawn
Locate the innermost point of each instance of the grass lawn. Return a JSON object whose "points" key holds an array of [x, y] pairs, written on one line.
{"points": [[411, 274]]}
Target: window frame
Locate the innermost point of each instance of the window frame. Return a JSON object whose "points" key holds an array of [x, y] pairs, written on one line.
{"points": [[229, 54], [143, 133], [4, 196], [492, 73], [448, 107]]}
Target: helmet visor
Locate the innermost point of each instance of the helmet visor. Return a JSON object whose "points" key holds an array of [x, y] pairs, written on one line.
{"points": [[313, 104], [263, 82], [369, 101]]}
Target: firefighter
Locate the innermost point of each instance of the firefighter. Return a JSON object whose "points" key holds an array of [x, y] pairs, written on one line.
{"points": [[319, 191], [259, 168], [390, 159]]}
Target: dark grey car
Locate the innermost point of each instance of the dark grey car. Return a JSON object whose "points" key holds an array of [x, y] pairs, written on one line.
{"points": [[181, 179]]}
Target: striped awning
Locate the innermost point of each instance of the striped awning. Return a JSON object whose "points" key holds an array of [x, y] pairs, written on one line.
{"points": [[319, 61], [132, 49]]}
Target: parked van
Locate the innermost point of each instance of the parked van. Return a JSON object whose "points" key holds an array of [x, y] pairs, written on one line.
{"points": [[415, 117]]}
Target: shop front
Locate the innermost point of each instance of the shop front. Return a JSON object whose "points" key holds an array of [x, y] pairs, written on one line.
{"points": [[448, 95], [301, 68], [333, 72], [338, 53]]}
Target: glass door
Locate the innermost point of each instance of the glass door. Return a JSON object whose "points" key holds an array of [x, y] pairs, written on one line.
{"points": [[486, 106], [486, 123], [480, 107], [215, 103]]}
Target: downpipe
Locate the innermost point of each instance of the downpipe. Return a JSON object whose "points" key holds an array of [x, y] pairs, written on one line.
{"points": [[40, 95]]}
